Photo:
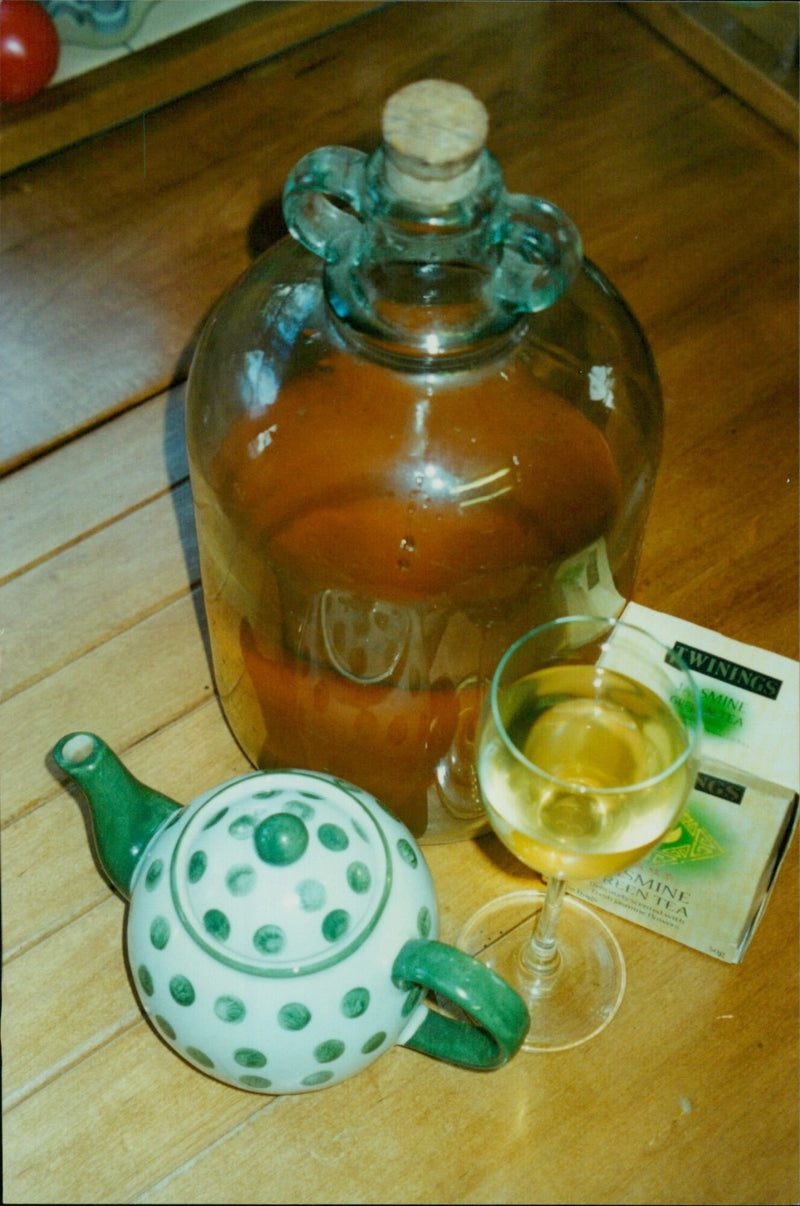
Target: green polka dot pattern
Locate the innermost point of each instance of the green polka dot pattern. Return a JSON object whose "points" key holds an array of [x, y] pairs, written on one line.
{"points": [[412, 1000], [146, 980], [315, 1079], [359, 877], [215, 819], [311, 894], [335, 924], [269, 939], [240, 881], [254, 1082], [327, 1052], [355, 1002], [216, 923], [248, 1057], [159, 933], [333, 837], [153, 875], [302, 845], [294, 1016], [197, 866], [229, 1009], [406, 852], [164, 1026], [200, 1057], [254, 897], [374, 1042], [181, 990], [242, 827]]}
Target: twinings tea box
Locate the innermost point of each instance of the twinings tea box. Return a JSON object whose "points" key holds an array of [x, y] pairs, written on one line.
{"points": [[709, 881]]}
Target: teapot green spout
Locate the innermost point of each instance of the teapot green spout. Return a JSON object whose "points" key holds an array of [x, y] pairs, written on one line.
{"points": [[125, 812], [282, 927]]}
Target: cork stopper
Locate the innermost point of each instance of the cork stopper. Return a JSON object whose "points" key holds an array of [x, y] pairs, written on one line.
{"points": [[433, 132]]}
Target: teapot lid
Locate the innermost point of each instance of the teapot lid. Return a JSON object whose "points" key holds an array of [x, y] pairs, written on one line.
{"points": [[285, 876]]}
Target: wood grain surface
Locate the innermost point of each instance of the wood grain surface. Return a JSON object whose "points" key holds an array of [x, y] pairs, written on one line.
{"points": [[112, 253], [750, 48]]}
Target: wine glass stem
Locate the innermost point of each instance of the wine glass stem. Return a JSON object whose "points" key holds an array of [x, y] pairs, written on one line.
{"points": [[540, 956]]}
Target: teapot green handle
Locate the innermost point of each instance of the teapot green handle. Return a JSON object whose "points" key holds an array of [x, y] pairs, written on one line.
{"points": [[499, 1012]]}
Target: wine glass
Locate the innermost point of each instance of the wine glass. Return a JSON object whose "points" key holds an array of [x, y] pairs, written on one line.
{"points": [[586, 752]]}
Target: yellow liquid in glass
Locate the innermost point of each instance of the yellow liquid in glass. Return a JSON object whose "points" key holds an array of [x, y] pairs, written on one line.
{"points": [[604, 742]]}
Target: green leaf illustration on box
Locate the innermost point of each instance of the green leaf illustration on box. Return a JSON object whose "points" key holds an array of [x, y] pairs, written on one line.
{"points": [[688, 842], [722, 714]]}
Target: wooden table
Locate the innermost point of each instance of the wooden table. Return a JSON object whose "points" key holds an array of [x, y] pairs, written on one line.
{"points": [[113, 251]]}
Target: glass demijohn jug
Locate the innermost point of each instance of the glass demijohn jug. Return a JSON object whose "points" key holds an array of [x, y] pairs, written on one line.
{"points": [[417, 429]]}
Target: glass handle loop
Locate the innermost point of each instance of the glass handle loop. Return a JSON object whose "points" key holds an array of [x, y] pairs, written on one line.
{"points": [[322, 200], [542, 253], [499, 1017]]}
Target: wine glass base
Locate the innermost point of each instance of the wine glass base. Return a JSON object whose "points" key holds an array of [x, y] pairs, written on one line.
{"points": [[575, 1002]]}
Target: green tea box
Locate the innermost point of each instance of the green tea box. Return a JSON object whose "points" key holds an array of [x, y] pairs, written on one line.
{"points": [[708, 883]]}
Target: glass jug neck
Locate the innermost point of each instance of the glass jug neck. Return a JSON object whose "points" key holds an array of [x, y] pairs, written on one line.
{"points": [[421, 276], [420, 280]]}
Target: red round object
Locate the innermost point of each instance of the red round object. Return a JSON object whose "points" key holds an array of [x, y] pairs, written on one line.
{"points": [[29, 48]]}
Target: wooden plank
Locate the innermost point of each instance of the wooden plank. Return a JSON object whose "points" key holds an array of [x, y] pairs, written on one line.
{"points": [[102, 476], [711, 547], [90, 274], [49, 874], [115, 266], [740, 49], [669, 190], [235, 1160], [113, 1123], [124, 690], [56, 1029], [48, 866], [81, 597], [88, 104], [287, 1141]]}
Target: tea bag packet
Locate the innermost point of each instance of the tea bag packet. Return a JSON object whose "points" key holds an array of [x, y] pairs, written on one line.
{"points": [[708, 883]]}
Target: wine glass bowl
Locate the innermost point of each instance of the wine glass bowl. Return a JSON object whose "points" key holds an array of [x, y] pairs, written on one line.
{"points": [[586, 753]]}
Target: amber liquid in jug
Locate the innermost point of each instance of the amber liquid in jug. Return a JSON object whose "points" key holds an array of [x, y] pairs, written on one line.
{"points": [[400, 487]]}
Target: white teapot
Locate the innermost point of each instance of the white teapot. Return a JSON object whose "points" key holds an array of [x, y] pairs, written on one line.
{"points": [[282, 928]]}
